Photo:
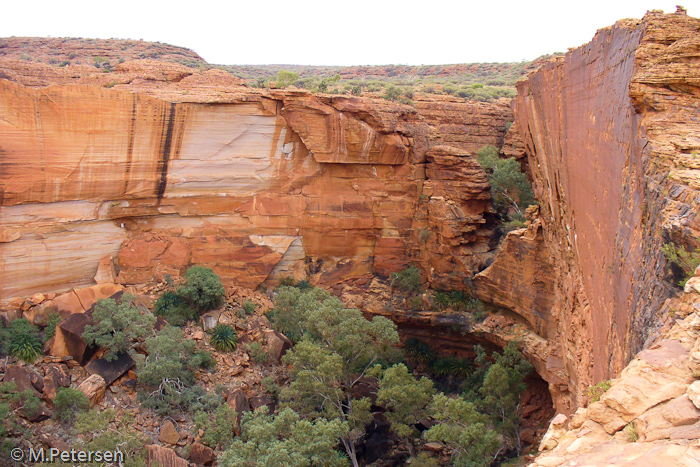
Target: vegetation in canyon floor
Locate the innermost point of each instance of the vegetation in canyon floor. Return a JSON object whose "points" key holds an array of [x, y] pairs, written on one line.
{"points": [[344, 376]]}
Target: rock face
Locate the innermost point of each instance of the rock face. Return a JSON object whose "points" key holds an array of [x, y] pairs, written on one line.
{"points": [[162, 173], [645, 418], [611, 133]]}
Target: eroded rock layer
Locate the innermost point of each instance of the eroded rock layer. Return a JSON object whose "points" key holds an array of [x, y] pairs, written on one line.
{"points": [[611, 131], [150, 175]]}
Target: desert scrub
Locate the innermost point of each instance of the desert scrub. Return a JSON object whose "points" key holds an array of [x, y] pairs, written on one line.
{"points": [[595, 392], [51, 322], [203, 289], [256, 352], [68, 403], [407, 280], [224, 338], [118, 325], [22, 340], [249, 307], [174, 309], [685, 260]]}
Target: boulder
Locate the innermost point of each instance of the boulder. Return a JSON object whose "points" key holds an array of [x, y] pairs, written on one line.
{"points": [[168, 433], [201, 454], [56, 377], [69, 340], [110, 370], [94, 388], [159, 456], [20, 375], [277, 344], [238, 401], [261, 400], [694, 393], [210, 319]]}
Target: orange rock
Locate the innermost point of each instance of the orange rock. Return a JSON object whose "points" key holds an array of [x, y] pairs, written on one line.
{"points": [[94, 388], [168, 433]]}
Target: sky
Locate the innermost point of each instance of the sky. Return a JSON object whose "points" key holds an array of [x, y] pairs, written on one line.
{"points": [[354, 32]]}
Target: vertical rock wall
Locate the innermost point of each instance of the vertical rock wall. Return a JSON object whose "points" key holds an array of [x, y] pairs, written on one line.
{"points": [[606, 127]]}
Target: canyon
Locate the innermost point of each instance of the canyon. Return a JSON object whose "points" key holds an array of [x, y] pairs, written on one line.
{"points": [[129, 177]]}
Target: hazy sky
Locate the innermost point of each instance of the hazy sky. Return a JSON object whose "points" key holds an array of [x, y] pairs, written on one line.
{"points": [[354, 32]]}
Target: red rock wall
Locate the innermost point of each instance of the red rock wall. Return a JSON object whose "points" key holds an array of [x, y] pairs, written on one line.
{"points": [[604, 125], [258, 187]]}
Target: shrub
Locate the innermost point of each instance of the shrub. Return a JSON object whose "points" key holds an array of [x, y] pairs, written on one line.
{"points": [[219, 427], [419, 350], [249, 307], [687, 261], [407, 280], [117, 325], [510, 187], [449, 89], [168, 373], [257, 353], [24, 403], [630, 432], [270, 386], [203, 359], [392, 93], [203, 289], [68, 403], [446, 366], [287, 281], [595, 392], [286, 78], [24, 341], [224, 338], [174, 309], [356, 90], [514, 224], [51, 322]]}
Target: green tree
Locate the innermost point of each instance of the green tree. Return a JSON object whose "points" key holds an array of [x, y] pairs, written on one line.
{"points": [[286, 78], [406, 400], [339, 348], [203, 289], [464, 429], [285, 440], [510, 187], [174, 309], [117, 325], [501, 390], [321, 387]]}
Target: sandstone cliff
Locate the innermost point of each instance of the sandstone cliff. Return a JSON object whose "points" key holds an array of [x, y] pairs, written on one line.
{"points": [[153, 167], [611, 134]]}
